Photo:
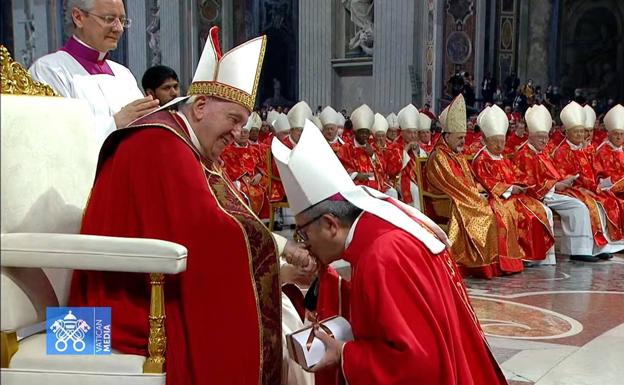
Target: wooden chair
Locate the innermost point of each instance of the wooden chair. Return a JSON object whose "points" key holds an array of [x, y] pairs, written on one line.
{"points": [[272, 178], [440, 203]]}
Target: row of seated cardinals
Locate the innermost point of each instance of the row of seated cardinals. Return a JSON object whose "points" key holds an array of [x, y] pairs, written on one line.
{"points": [[377, 153]]}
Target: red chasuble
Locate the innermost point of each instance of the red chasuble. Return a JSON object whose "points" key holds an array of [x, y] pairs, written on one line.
{"points": [[411, 317], [609, 163], [241, 164], [536, 169], [513, 142], [355, 159], [391, 157], [497, 176], [473, 143], [571, 162], [408, 174], [599, 137], [223, 320]]}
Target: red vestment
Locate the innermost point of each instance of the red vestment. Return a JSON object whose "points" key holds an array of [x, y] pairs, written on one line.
{"points": [[223, 313], [556, 139], [513, 142], [482, 233], [599, 137], [473, 143], [391, 158], [356, 160], [497, 176], [609, 163], [241, 164], [277, 193], [571, 161], [538, 171], [414, 325], [336, 145]]}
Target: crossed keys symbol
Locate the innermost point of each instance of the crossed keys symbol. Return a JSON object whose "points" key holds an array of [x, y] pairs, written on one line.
{"points": [[74, 330]]}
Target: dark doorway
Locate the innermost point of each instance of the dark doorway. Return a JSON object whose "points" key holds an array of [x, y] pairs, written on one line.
{"points": [[589, 53]]}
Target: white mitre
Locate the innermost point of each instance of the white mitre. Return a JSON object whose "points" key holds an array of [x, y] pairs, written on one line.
{"points": [[408, 118], [233, 76], [281, 124], [380, 124], [311, 173], [538, 119], [424, 122], [494, 122], [572, 116], [298, 114], [614, 118], [590, 116], [329, 116], [362, 118], [393, 120]]}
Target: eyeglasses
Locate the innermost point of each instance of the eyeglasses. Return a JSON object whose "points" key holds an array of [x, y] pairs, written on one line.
{"points": [[110, 20], [300, 234]]}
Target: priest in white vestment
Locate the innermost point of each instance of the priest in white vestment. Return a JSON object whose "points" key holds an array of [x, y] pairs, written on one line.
{"points": [[81, 69]]}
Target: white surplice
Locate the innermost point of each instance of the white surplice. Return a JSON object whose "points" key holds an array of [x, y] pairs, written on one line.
{"points": [[105, 94]]}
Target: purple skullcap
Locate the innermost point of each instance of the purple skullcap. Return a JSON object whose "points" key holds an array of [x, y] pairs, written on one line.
{"points": [[337, 197]]}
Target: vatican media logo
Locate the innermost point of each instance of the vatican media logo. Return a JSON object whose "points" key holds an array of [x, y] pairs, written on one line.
{"points": [[78, 330]]}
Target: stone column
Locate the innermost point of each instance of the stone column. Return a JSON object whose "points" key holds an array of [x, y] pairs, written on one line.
{"points": [[438, 49], [178, 38], [480, 45], [315, 52], [137, 40], [538, 42], [393, 55]]}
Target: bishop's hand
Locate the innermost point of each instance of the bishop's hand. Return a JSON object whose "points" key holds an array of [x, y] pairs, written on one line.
{"points": [[333, 350]]}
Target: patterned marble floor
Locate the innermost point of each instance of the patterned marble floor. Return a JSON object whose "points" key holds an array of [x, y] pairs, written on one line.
{"points": [[556, 325]]}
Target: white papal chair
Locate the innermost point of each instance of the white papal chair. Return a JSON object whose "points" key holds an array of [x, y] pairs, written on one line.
{"points": [[49, 156]]}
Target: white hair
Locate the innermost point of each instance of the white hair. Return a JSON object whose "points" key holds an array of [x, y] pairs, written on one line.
{"points": [[85, 5]]}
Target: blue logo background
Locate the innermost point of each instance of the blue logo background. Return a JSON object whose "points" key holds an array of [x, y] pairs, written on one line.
{"points": [[78, 330]]}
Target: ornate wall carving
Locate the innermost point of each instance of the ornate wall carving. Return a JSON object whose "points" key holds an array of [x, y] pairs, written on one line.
{"points": [[507, 44], [459, 37]]}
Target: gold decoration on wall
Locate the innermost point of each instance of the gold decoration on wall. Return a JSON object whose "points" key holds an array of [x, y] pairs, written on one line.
{"points": [[17, 81], [157, 342]]}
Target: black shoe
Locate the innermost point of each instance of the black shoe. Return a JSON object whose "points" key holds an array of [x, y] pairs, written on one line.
{"points": [[277, 226], [584, 258], [604, 256]]}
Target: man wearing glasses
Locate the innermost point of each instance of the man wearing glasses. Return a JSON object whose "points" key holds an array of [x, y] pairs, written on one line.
{"points": [[81, 69], [411, 319]]}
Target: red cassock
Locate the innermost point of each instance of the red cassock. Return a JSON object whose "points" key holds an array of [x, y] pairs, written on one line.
{"points": [[609, 163], [473, 143], [414, 325], [356, 160], [336, 145], [223, 320], [513, 142], [538, 171], [391, 157], [599, 137], [571, 161], [427, 147], [265, 137], [557, 137], [408, 174], [497, 176], [277, 189], [241, 164]]}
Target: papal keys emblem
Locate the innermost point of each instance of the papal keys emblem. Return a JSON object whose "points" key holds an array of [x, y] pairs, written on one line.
{"points": [[70, 329]]}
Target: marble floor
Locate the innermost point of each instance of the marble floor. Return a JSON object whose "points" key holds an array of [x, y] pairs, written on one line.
{"points": [[553, 325], [556, 325]]}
